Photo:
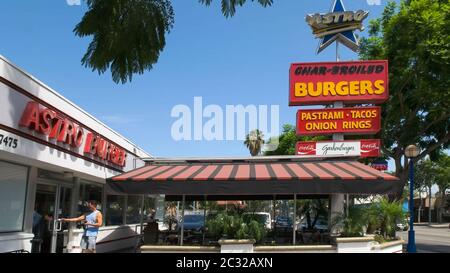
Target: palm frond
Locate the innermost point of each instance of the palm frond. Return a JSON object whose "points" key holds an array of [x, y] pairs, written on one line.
{"points": [[127, 35], [228, 7]]}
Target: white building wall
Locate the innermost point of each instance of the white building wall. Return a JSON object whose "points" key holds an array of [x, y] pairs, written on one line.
{"points": [[17, 89]]}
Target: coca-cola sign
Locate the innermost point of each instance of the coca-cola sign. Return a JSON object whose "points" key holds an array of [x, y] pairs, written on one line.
{"points": [[361, 148]]}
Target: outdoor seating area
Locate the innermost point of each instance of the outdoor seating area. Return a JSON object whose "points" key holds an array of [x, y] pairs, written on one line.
{"points": [[283, 200], [200, 238]]}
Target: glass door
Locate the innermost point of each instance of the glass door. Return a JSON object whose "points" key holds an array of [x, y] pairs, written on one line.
{"points": [[61, 234], [52, 203]]}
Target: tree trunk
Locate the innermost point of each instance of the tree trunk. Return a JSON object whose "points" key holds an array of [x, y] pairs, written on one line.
{"points": [[308, 220], [429, 205], [402, 174], [441, 207], [420, 205]]}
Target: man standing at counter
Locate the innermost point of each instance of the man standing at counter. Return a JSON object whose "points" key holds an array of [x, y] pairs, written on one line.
{"points": [[92, 222]]}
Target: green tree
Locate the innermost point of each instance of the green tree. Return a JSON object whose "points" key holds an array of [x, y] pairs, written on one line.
{"points": [[415, 38], [229, 6], [442, 181], [287, 141], [313, 209], [384, 215], [424, 179], [254, 142], [128, 36]]}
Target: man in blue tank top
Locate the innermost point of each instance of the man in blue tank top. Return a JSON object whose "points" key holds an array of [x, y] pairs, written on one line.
{"points": [[92, 221]]}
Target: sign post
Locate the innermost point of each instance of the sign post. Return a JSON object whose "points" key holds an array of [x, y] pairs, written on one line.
{"points": [[340, 86]]}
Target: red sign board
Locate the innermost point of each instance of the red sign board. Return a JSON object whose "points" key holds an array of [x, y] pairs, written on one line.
{"points": [[361, 148], [350, 82], [65, 131], [358, 120]]}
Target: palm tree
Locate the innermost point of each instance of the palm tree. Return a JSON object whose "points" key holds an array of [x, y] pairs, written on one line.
{"points": [[254, 142]]}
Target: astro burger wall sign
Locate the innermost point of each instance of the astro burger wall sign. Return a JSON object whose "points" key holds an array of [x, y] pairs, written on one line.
{"points": [[70, 134], [350, 82]]}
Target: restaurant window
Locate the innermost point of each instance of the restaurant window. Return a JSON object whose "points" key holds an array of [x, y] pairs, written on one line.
{"points": [[150, 208], [13, 187], [114, 210], [134, 209], [89, 192]]}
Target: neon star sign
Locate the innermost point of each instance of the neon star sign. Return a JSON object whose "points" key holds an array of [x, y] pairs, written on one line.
{"points": [[338, 25]]}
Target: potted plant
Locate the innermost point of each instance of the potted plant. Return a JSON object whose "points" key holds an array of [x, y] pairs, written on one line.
{"points": [[378, 219], [383, 218], [234, 234]]}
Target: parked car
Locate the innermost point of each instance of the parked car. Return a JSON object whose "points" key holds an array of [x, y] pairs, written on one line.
{"points": [[284, 223], [193, 222], [262, 217], [402, 225]]}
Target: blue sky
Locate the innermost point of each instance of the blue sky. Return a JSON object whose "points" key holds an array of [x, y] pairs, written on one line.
{"points": [[241, 60]]}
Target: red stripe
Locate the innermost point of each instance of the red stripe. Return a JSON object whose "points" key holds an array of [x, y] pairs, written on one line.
{"points": [[148, 175], [373, 171], [337, 171], [299, 171], [169, 173], [206, 173], [280, 172], [187, 173], [261, 172], [224, 173], [243, 172], [317, 171], [363, 175], [125, 176]]}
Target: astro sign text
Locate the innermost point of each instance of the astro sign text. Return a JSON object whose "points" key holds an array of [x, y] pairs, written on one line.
{"points": [[66, 131], [350, 82]]}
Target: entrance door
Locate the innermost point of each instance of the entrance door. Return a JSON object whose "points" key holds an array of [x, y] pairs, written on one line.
{"points": [[52, 203]]}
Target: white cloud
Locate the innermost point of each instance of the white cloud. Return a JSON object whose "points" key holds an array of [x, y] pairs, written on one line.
{"points": [[118, 119], [374, 2], [73, 2]]}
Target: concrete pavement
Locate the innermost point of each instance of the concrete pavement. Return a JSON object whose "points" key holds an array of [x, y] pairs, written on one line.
{"points": [[430, 239]]}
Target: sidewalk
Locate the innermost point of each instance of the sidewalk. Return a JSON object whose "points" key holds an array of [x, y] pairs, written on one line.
{"points": [[433, 225]]}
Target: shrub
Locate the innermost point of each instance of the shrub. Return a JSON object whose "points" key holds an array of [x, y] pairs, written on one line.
{"points": [[381, 216], [234, 227], [353, 224]]}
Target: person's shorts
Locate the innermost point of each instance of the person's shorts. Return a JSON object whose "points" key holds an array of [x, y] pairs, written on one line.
{"points": [[88, 242]]}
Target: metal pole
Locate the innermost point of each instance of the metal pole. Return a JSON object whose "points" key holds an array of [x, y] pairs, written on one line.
{"points": [[294, 226], [182, 221], [142, 214], [429, 205], [337, 52], [54, 223], [420, 206], [347, 204], [338, 104], [411, 236], [273, 219], [204, 221], [337, 200]]}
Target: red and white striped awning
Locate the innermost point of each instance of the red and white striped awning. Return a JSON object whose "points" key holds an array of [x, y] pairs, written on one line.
{"points": [[255, 178]]}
